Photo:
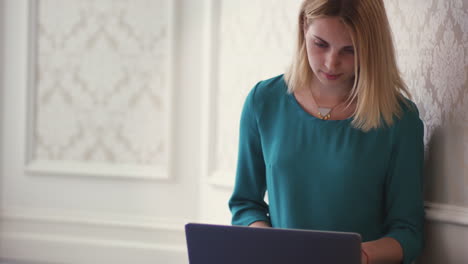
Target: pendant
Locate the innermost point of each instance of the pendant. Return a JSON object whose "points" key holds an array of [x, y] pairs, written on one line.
{"points": [[324, 113]]}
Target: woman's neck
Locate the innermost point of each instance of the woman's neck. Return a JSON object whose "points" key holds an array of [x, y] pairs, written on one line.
{"points": [[329, 96]]}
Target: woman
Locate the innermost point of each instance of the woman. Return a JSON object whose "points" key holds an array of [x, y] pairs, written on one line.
{"points": [[335, 141]]}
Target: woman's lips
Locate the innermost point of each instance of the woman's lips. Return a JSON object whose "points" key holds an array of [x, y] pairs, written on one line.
{"points": [[331, 76]]}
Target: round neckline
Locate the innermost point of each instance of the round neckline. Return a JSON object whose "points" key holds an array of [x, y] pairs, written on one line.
{"points": [[304, 113]]}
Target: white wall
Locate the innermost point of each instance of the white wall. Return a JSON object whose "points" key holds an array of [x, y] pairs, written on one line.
{"points": [[75, 208], [109, 206]]}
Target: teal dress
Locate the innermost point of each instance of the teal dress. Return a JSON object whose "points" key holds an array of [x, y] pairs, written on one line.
{"points": [[326, 174]]}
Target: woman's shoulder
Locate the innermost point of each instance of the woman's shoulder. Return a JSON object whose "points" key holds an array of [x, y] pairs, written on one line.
{"points": [[268, 89], [409, 118], [409, 109]]}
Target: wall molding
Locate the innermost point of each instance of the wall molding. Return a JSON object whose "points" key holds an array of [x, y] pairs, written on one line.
{"points": [[36, 234], [71, 168], [218, 178], [60, 215], [209, 80], [447, 214], [95, 169], [12, 216]]}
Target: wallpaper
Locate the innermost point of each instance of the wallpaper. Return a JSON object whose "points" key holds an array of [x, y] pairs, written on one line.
{"points": [[431, 39], [102, 81], [432, 46]]}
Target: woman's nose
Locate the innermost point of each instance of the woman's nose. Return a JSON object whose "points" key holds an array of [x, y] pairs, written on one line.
{"points": [[332, 61]]}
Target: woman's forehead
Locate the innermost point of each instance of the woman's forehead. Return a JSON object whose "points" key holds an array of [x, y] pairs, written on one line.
{"points": [[330, 29]]}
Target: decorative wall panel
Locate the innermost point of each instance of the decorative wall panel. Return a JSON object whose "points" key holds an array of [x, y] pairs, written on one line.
{"points": [[102, 82]]}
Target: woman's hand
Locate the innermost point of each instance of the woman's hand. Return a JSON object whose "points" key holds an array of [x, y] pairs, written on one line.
{"points": [[260, 224], [364, 257], [385, 250]]}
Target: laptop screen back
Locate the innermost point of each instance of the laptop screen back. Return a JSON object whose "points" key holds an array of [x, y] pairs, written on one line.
{"points": [[218, 244]]}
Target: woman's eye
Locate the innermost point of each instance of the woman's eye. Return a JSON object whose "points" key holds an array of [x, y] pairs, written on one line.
{"points": [[321, 45]]}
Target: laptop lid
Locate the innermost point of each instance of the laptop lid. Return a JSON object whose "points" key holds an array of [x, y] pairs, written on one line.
{"points": [[220, 244]]}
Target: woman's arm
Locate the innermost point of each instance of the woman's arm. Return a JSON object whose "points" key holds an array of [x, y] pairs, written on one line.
{"points": [[247, 202], [383, 251], [403, 196]]}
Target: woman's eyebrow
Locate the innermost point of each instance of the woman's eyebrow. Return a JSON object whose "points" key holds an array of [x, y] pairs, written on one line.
{"points": [[345, 47]]}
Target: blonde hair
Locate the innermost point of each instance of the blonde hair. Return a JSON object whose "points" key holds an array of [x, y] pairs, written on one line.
{"points": [[378, 87]]}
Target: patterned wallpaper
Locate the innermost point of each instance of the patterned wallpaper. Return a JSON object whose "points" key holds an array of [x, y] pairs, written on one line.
{"points": [[432, 46], [431, 38], [102, 81]]}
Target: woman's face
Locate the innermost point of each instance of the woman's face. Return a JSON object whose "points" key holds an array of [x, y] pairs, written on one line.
{"points": [[330, 51]]}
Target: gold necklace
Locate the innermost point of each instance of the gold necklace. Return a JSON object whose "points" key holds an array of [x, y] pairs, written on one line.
{"points": [[323, 112]]}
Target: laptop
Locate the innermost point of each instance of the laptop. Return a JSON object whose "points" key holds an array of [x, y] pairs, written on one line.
{"points": [[221, 244]]}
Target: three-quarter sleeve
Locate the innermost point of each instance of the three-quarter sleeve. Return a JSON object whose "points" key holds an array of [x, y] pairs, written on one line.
{"points": [[404, 204], [247, 203]]}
